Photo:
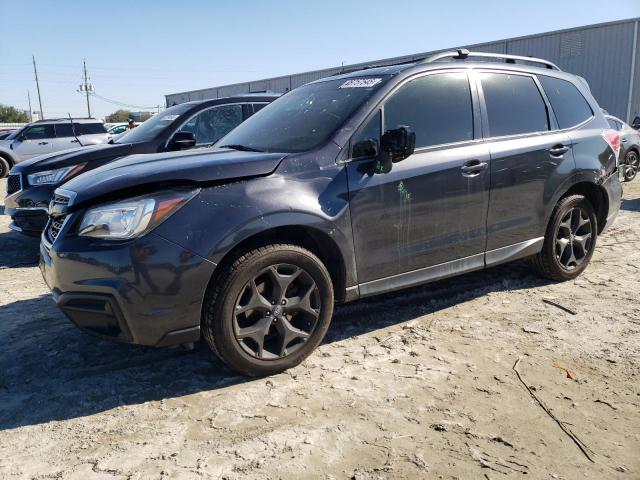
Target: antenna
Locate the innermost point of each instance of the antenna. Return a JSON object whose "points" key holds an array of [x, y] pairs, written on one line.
{"points": [[73, 129]]}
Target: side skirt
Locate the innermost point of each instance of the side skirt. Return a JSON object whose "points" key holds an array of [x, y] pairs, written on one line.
{"points": [[448, 269]]}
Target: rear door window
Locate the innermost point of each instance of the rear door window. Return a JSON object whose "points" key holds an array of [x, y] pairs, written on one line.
{"points": [[514, 104], [89, 128], [438, 108], [568, 104], [64, 130]]}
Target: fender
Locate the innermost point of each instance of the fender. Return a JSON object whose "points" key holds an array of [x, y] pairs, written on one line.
{"points": [[596, 178]]}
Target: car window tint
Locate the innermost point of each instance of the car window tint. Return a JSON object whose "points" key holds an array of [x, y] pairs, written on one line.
{"points": [[39, 131], [212, 124], [514, 104], [64, 130], [89, 128], [366, 142], [436, 107], [568, 104], [258, 106]]}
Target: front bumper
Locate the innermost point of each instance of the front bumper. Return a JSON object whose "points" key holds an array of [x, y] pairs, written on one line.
{"points": [[147, 291], [28, 208]]}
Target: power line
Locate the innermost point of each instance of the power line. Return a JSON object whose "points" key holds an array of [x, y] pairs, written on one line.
{"points": [[121, 104]]}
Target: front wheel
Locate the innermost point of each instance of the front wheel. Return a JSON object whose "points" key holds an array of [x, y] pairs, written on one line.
{"points": [[268, 310], [569, 241], [4, 167], [631, 165]]}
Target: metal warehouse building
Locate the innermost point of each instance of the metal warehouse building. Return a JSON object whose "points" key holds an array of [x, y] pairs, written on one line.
{"points": [[606, 54]]}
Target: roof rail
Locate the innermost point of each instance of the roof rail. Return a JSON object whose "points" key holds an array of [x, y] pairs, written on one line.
{"points": [[463, 54], [63, 119]]}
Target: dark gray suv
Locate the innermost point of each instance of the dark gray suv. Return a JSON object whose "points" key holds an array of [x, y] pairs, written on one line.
{"points": [[346, 187]]}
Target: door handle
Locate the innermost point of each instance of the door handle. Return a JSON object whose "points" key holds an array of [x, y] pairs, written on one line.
{"points": [[75, 141], [43, 143], [473, 168], [625, 140], [558, 150]]}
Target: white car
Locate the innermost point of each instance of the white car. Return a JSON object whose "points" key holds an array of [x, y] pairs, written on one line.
{"points": [[47, 136]]}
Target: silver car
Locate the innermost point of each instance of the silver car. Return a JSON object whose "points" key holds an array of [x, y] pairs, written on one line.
{"points": [[46, 136], [629, 148]]}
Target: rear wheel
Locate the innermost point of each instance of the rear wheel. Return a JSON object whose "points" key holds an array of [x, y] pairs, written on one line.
{"points": [[269, 309], [631, 165], [4, 167], [569, 241]]}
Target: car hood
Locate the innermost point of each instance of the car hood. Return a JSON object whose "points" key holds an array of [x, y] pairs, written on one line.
{"points": [[136, 174], [72, 156]]}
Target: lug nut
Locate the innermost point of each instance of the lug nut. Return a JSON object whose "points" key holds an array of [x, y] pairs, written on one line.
{"points": [[268, 314], [284, 302]]}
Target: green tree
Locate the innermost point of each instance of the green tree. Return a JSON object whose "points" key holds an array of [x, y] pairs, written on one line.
{"points": [[119, 116], [12, 115]]}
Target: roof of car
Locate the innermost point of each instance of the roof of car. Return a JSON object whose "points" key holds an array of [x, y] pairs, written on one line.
{"points": [[235, 98], [67, 120]]}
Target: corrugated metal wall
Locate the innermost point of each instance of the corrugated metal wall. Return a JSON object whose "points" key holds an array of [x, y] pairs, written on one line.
{"points": [[600, 53]]}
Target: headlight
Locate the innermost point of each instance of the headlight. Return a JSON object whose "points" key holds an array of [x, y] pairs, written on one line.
{"points": [[133, 217], [52, 177]]}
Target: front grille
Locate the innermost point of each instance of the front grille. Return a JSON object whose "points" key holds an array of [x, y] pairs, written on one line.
{"points": [[13, 184], [60, 199], [55, 225]]}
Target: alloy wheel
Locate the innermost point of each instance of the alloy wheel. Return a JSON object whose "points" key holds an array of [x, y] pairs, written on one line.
{"points": [[631, 166], [276, 312], [574, 238]]}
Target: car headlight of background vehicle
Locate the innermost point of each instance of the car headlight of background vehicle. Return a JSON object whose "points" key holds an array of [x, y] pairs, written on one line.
{"points": [[134, 217], [53, 177]]}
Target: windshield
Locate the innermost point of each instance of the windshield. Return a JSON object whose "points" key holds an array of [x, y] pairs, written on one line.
{"points": [[151, 128], [304, 118]]}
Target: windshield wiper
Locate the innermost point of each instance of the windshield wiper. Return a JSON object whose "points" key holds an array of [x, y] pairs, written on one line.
{"points": [[242, 148]]}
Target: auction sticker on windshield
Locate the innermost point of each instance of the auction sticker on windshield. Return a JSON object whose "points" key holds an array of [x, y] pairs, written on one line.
{"points": [[361, 83]]}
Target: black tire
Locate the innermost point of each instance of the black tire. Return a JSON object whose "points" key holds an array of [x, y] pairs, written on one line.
{"points": [[5, 166], [553, 262], [239, 281], [631, 165]]}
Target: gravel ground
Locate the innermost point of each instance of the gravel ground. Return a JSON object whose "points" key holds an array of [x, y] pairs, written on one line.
{"points": [[481, 376]]}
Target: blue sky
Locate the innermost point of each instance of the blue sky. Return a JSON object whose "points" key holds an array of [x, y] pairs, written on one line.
{"points": [[137, 51]]}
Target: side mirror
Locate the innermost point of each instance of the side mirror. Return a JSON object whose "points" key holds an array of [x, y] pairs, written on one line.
{"points": [[182, 141], [22, 137], [365, 148], [636, 123], [398, 143]]}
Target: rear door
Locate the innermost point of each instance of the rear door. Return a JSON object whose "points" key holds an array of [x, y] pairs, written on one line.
{"points": [[35, 140], [530, 158], [431, 208], [64, 137]]}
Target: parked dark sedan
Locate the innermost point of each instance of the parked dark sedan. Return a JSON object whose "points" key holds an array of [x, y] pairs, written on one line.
{"points": [[31, 184]]}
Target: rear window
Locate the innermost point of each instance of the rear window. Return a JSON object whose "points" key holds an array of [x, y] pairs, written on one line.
{"points": [[567, 102], [89, 128], [514, 104]]}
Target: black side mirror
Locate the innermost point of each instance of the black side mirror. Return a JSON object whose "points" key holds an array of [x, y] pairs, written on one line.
{"points": [[636, 123], [398, 143], [182, 141], [22, 137]]}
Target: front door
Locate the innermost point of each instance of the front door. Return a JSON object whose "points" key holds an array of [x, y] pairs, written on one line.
{"points": [[431, 209], [35, 140]]}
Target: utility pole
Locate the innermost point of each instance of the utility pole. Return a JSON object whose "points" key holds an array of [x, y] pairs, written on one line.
{"points": [[30, 111], [86, 87], [35, 72]]}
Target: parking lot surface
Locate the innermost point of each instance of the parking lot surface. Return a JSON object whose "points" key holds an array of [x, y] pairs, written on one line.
{"points": [[489, 375]]}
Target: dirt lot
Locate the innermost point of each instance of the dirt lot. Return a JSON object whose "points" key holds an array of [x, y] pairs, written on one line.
{"points": [[419, 384]]}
